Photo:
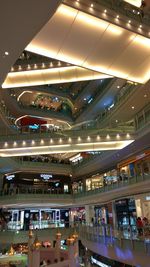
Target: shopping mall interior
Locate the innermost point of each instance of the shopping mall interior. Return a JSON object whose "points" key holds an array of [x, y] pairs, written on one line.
{"points": [[75, 133]]}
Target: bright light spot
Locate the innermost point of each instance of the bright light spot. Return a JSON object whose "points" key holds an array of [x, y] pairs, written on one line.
{"points": [[108, 136], [6, 53]]}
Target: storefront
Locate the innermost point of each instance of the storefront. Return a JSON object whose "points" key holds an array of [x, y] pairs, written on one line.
{"points": [[138, 165], [28, 182], [77, 215], [96, 181], [143, 206], [37, 219], [126, 212], [103, 214]]}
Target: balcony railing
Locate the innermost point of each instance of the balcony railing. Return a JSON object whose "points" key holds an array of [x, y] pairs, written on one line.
{"points": [[114, 185]]}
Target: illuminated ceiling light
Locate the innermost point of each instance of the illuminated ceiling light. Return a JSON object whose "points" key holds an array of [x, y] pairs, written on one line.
{"points": [[129, 21], [107, 136], [140, 26], [33, 142], [116, 121], [92, 5], [6, 144], [118, 136], [98, 138], [118, 86], [15, 143], [51, 141], [105, 11], [145, 95], [42, 142], [88, 138], [6, 53], [133, 107], [127, 135], [69, 140], [79, 138], [23, 143], [117, 17]]}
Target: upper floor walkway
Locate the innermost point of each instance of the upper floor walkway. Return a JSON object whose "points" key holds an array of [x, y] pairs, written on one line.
{"points": [[56, 197]]}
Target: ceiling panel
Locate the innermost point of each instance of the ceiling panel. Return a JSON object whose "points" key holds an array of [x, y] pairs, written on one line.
{"points": [[50, 76], [84, 40]]}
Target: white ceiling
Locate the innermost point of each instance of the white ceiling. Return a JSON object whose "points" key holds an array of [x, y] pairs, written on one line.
{"points": [[50, 76], [20, 21], [84, 40]]}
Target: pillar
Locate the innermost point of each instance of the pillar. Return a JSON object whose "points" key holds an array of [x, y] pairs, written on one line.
{"points": [[89, 213], [58, 245]]}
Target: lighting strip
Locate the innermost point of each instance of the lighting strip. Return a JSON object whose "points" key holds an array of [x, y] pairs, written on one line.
{"points": [[53, 149], [50, 76]]}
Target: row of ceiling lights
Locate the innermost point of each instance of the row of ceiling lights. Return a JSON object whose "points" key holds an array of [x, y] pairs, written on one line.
{"points": [[35, 66], [117, 16], [79, 139]]}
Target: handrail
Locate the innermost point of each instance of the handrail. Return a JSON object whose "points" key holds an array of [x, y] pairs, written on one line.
{"points": [[118, 184]]}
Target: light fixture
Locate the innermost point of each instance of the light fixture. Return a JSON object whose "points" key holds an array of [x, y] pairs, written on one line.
{"points": [[92, 5], [12, 68], [15, 143], [105, 11], [88, 138], [29, 67], [79, 138], [69, 140], [23, 143], [117, 136], [129, 21], [35, 66], [6, 144], [145, 95], [33, 142], [98, 137], [117, 17], [6, 53], [43, 65], [42, 142], [108, 136], [51, 141], [60, 140], [133, 107], [118, 86], [116, 121], [140, 26], [127, 135]]}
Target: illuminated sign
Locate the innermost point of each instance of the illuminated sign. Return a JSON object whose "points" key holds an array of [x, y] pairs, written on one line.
{"points": [[10, 177], [46, 177], [99, 263]]}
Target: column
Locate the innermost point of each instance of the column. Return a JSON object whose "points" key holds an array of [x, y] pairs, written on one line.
{"points": [[1, 181], [89, 213]]}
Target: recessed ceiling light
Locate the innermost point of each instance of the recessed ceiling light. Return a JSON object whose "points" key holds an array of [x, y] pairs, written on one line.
{"points": [[105, 11], [133, 107], [117, 16], [6, 53], [129, 21], [145, 95], [118, 86], [116, 121], [91, 5]]}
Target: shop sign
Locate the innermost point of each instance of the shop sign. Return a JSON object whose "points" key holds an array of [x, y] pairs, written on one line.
{"points": [[98, 263]]}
